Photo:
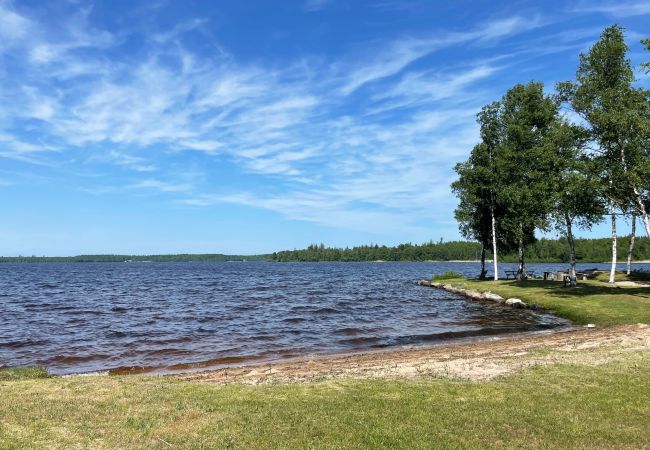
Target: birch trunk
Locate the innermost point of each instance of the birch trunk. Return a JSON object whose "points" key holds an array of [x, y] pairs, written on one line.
{"points": [[637, 194], [483, 271], [642, 210], [572, 251], [521, 272], [612, 271], [494, 246], [631, 248]]}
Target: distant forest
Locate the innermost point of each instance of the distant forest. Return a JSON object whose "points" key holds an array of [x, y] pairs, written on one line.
{"points": [[133, 258], [544, 250]]}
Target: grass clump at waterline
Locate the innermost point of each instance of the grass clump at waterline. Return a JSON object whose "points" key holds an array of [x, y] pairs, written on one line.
{"points": [[22, 373], [591, 301], [557, 406], [447, 276]]}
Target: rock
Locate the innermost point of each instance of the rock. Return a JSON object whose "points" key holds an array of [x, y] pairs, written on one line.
{"points": [[424, 283], [435, 285], [515, 303], [493, 297], [476, 295]]}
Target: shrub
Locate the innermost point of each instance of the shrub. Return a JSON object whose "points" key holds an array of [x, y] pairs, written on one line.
{"points": [[447, 276]]}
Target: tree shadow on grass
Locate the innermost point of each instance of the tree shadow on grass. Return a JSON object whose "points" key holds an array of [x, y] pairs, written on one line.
{"points": [[557, 289]]}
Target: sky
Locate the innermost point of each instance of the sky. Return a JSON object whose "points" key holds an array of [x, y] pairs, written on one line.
{"points": [[247, 127]]}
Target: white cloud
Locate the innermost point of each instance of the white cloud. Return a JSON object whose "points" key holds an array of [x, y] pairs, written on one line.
{"points": [[614, 9], [315, 5], [318, 154], [162, 186], [13, 26]]}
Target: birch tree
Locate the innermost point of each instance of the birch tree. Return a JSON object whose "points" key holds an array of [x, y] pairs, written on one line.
{"points": [[618, 115]]}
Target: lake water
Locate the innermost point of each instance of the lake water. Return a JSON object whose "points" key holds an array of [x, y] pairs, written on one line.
{"points": [[87, 317]]}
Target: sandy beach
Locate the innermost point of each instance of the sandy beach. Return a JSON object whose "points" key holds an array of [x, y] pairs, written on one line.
{"points": [[477, 360]]}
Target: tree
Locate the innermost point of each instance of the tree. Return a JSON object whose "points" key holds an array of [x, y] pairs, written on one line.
{"points": [[473, 211], [619, 123], [646, 65], [478, 188], [577, 197], [525, 162]]}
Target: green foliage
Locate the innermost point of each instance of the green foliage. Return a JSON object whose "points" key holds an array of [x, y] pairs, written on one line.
{"points": [[543, 250], [618, 116], [447, 276], [22, 373]]}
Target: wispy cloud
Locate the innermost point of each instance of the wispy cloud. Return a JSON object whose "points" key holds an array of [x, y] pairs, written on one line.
{"points": [[161, 186], [614, 9], [315, 5], [397, 55], [316, 149]]}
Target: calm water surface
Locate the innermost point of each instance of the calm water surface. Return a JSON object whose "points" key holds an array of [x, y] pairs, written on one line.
{"points": [[82, 317]]}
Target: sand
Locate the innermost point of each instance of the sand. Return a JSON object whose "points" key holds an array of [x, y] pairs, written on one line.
{"points": [[476, 360]]}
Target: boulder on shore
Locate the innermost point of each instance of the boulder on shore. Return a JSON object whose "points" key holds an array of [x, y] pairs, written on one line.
{"points": [[493, 297], [515, 303], [424, 282], [476, 295]]}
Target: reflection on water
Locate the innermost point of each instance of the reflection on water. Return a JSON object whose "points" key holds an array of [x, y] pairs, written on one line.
{"points": [[99, 316]]}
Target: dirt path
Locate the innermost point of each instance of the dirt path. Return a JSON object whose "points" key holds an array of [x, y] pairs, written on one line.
{"points": [[477, 360]]}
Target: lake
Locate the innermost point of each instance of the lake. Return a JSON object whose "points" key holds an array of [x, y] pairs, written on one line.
{"points": [[86, 317]]}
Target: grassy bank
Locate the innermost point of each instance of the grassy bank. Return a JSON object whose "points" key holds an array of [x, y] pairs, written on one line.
{"points": [[558, 407], [590, 302]]}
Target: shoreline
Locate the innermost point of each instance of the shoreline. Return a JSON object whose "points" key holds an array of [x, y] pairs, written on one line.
{"points": [[475, 360], [241, 362]]}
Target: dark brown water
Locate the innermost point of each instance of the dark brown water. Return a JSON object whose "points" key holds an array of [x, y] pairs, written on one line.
{"points": [[99, 316]]}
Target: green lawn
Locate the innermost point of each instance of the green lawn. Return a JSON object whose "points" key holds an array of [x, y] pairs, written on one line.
{"points": [[553, 407], [590, 302]]}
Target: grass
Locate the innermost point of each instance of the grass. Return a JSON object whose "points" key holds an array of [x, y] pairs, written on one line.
{"points": [[635, 275], [591, 301], [447, 276], [552, 407], [22, 373]]}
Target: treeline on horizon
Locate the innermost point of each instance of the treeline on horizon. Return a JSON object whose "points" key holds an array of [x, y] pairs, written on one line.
{"points": [[596, 250], [207, 257]]}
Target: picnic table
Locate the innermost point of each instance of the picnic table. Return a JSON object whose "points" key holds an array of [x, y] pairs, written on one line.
{"points": [[513, 274], [579, 276]]}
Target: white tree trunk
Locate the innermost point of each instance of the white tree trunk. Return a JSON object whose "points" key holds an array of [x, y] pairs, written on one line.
{"points": [[483, 271], [521, 272], [494, 246], [572, 251], [631, 248], [637, 194], [642, 210], [612, 271]]}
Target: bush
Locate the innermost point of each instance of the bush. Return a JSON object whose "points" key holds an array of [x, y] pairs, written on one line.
{"points": [[447, 276]]}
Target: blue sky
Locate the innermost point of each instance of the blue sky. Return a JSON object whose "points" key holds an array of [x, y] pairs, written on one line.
{"points": [[246, 127]]}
